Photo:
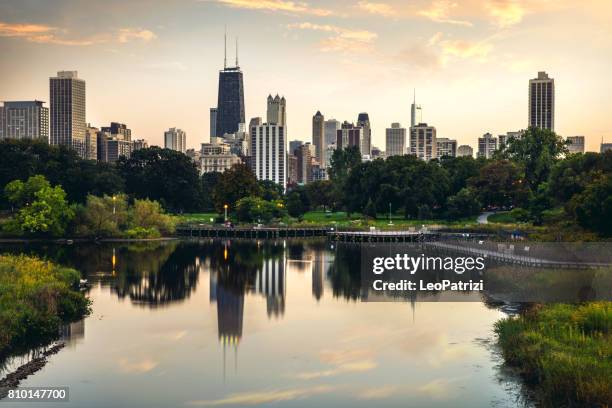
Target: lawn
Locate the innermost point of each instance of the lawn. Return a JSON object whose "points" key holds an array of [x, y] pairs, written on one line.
{"points": [[504, 217], [563, 351]]}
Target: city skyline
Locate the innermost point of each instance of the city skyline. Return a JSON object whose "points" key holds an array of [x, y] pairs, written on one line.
{"points": [[365, 56]]}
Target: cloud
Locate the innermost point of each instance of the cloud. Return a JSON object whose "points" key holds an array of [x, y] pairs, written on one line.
{"points": [[461, 48], [440, 11], [276, 5], [382, 9], [378, 393], [137, 367], [343, 362], [128, 34], [263, 397], [343, 40], [45, 34], [506, 12]]}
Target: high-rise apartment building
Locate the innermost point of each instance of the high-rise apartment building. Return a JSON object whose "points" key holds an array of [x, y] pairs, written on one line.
{"points": [[446, 147], [318, 137], [487, 145], [576, 144], [331, 127], [605, 147], [91, 143], [277, 110], [175, 139], [213, 123], [363, 121], [542, 102], [305, 155], [24, 120], [465, 151], [67, 106], [230, 99], [118, 130], [423, 141], [111, 147], [395, 140], [349, 135], [139, 144], [268, 153]]}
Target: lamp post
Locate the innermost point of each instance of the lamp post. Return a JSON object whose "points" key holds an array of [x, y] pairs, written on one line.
{"points": [[225, 206], [390, 222], [114, 200]]}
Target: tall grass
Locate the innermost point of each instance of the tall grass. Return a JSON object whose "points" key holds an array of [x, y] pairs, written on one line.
{"points": [[564, 351], [36, 296]]}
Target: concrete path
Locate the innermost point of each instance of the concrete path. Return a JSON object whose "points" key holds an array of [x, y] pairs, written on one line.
{"points": [[482, 218]]}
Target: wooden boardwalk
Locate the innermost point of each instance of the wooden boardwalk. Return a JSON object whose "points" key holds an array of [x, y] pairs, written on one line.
{"points": [[206, 231]]}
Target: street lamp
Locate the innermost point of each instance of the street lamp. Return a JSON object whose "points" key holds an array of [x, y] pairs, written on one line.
{"points": [[225, 207], [390, 222], [114, 200]]}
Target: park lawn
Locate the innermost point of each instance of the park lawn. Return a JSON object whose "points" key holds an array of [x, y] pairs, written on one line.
{"points": [[197, 218], [36, 297], [564, 351], [503, 217]]}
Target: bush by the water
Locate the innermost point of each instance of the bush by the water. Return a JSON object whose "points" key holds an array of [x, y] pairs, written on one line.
{"points": [[564, 351], [36, 297]]}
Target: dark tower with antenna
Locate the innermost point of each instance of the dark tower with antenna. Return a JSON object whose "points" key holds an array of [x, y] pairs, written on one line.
{"points": [[230, 101]]}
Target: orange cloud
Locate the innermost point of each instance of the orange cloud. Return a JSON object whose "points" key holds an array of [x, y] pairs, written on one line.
{"points": [[276, 5], [263, 397], [440, 12], [506, 12], [344, 39], [382, 9], [127, 34], [23, 30]]}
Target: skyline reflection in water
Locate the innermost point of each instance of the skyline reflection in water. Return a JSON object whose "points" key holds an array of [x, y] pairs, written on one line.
{"points": [[278, 322]]}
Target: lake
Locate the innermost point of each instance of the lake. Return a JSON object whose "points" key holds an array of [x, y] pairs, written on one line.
{"points": [[262, 323]]}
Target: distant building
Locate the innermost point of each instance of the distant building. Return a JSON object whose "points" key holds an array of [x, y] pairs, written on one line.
{"points": [[277, 110], [577, 144], [395, 143], [268, 153], [423, 141], [465, 151], [110, 147], [349, 135], [175, 139], [329, 153], [318, 137], [502, 140], [446, 147], [216, 157], [292, 168], [118, 130], [67, 111], [91, 143], [487, 145], [363, 121], [139, 144], [305, 157], [24, 120], [331, 127], [230, 100], [213, 122], [377, 153], [605, 147], [416, 113], [294, 145], [542, 102]]}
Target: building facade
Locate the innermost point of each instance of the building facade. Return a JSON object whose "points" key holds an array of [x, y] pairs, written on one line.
{"points": [[24, 120], [395, 140], [277, 110], [423, 141], [446, 147], [213, 123], [305, 158], [268, 153], [318, 137], [349, 135], [465, 151], [363, 121], [331, 127], [175, 139], [542, 102], [67, 111], [487, 145], [576, 144], [91, 143], [230, 101]]}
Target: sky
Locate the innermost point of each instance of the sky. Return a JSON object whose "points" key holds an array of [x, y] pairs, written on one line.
{"points": [[153, 64]]}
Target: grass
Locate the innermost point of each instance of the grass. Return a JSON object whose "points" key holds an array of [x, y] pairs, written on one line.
{"points": [[198, 218], [36, 297], [504, 217], [564, 351]]}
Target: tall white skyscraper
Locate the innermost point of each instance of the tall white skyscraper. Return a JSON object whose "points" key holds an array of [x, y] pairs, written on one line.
{"points": [[542, 102], [175, 139], [423, 142], [24, 120], [395, 140], [487, 144], [318, 136], [416, 112], [67, 103]]}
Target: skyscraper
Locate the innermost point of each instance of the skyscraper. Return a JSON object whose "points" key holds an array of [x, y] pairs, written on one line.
{"points": [[91, 143], [318, 137], [542, 102], [331, 131], [423, 142], [487, 144], [363, 121], [230, 101], [446, 147], [24, 120], [175, 139], [349, 135], [416, 112], [576, 144], [213, 123], [119, 131], [395, 140], [67, 103], [277, 110]]}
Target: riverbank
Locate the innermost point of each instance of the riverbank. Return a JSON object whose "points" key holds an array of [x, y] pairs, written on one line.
{"points": [[36, 296], [562, 351]]}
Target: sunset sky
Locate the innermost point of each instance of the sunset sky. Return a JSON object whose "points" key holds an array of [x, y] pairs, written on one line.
{"points": [[153, 64]]}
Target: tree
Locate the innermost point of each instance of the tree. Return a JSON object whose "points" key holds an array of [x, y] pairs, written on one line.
{"points": [[254, 208], [592, 208], [460, 170], [103, 216], [234, 184], [270, 190], [209, 181], [573, 174], [463, 204], [149, 214], [343, 161], [164, 175], [536, 151], [41, 208], [295, 206], [321, 194], [500, 183]]}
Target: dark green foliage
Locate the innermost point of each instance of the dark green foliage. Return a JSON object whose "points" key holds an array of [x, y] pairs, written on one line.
{"points": [[295, 205], [464, 204], [209, 181], [234, 184], [270, 190], [500, 183], [592, 208]]}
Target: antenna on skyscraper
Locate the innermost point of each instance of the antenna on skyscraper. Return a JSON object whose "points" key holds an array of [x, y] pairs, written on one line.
{"points": [[236, 52], [225, 49], [414, 95]]}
